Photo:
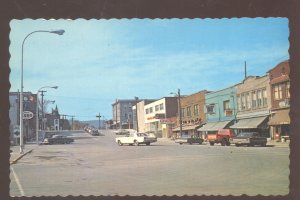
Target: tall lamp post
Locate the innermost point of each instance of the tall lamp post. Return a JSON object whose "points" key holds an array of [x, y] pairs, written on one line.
{"points": [[179, 110], [37, 112], [58, 32]]}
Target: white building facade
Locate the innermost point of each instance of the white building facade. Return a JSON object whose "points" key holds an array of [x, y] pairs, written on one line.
{"points": [[157, 112]]}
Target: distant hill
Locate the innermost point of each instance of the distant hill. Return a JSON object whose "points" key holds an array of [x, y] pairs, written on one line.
{"points": [[94, 123]]}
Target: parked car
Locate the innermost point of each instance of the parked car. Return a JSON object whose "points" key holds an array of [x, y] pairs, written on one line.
{"points": [[58, 139], [222, 136], [249, 139], [135, 138], [121, 132], [189, 140]]}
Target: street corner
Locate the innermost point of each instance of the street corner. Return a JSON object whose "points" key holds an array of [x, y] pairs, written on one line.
{"points": [[15, 155]]}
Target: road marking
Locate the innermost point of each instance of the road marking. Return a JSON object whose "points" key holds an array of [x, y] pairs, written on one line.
{"points": [[18, 182]]}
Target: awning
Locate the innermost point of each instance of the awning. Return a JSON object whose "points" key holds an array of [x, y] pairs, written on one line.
{"points": [[254, 122], [189, 127], [280, 117], [214, 126]]}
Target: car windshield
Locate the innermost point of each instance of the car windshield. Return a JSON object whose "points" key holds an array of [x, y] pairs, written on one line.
{"points": [[142, 134]]}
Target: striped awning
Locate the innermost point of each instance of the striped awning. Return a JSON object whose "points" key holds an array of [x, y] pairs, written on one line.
{"points": [[188, 127], [248, 123], [214, 126], [280, 117]]}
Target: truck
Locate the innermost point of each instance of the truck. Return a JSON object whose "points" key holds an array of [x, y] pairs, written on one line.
{"points": [[135, 138], [223, 136], [249, 139]]}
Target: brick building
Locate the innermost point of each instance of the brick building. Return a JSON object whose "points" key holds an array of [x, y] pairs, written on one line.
{"points": [[192, 113], [280, 100]]}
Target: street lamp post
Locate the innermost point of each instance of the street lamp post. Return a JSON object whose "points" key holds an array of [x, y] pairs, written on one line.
{"points": [[58, 32], [179, 110], [37, 111]]}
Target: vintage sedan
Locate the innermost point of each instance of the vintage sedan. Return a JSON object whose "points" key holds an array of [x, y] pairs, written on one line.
{"points": [[58, 139], [189, 140], [249, 139]]}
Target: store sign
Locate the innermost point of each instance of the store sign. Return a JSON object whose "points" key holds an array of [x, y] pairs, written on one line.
{"points": [[27, 115]]}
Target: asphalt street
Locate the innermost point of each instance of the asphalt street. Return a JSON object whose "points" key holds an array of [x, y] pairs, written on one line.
{"points": [[96, 165]]}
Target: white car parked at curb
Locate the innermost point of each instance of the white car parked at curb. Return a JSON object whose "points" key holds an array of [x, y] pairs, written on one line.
{"points": [[135, 138]]}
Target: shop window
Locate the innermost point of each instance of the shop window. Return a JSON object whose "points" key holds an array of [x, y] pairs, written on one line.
{"points": [[161, 106], [188, 111], [259, 98], [196, 110], [151, 109], [239, 103], [264, 93], [243, 101], [254, 99], [157, 108], [182, 112], [287, 88], [248, 101]]}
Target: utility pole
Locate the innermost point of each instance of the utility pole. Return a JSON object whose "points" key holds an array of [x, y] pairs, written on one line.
{"points": [[180, 116], [72, 122], [245, 70], [136, 114], [43, 123], [99, 116]]}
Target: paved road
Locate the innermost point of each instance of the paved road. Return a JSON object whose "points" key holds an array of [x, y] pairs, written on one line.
{"points": [[96, 165]]}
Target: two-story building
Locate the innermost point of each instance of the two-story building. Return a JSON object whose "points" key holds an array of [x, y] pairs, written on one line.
{"points": [[220, 110], [192, 113], [253, 105], [280, 100], [159, 115]]}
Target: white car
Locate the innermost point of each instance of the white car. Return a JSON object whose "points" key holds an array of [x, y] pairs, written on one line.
{"points": [[135, 138]]}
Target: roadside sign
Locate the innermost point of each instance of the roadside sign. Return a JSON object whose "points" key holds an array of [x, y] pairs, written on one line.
{"points": [[27, 115]]}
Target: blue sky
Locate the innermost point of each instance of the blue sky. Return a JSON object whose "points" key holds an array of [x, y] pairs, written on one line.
{"points": [[97, 61]]}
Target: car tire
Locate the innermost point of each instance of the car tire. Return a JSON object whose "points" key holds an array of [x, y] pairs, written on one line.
{"points": [[136, 143], [264, 144], [211, 143], [223, 142], [148, 143], [237, 145], [180, 143], [120, 143]]}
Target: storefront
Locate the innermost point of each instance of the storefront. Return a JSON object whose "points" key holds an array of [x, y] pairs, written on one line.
{"points": [[280, 124], [213, 127], [188, 130], [257, 124]]}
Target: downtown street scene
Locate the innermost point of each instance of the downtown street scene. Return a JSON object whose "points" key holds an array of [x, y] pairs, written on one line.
{"points": [[149, 107], [97, 165]]}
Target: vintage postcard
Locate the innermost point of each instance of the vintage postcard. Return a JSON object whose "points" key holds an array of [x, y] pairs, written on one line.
{"points": [[149, 107]]}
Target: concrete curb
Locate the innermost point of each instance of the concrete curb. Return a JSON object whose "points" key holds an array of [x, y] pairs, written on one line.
{"points": [[20, 156]]}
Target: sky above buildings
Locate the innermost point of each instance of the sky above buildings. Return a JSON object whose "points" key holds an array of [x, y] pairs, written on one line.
{"points": [[96, 62]]}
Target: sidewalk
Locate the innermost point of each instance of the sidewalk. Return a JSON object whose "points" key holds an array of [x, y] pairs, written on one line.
{"points": [[278, 143], [15, 154], [270, 143]]}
